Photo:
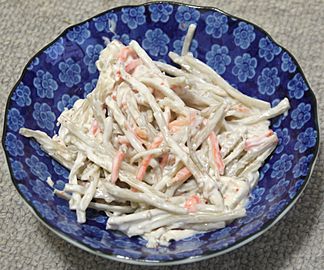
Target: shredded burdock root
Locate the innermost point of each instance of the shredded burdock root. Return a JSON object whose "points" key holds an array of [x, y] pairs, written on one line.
{"points": [[166, 152]]}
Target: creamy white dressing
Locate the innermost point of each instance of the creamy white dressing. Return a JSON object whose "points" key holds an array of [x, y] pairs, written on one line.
{"points": [[164, 156]]}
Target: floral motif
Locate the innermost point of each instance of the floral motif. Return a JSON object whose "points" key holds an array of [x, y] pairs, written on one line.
{"points": [[79, 33], [244, 35], [287, 63], [177, 45], [250, 228], [94, 215], [24, 190], [18, 170], [300, 116], [92, 230], [222, 233], [55, 50], [92, 242], [281, 166], [277, 190], [37, 167], [306, 140], [252, 214], [283, 139], [268, 81], [43, 115], [277, 121], [297, 87], [88, 87], [59, 184], [70, 72], [34, 63], [255, 196], [69, 227], [124, 38], [155, 42], [263, 171], [42, 190], [218, 58], [240, 37], [293, 190], [66, 102], [133, 17], [92, 55], [160, 12], [65, 211], [44, 210], [216, 24], [267, 49], [22, 95], [14, 146], [36, 147], [301, 168], [185, 16], [162, 60], [106, 22], [45, 84], [276, 208], [244, 67], [59, 169], [15, 120]]}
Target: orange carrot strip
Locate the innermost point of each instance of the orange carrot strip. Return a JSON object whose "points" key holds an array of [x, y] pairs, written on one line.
{"points": [[134, 63], [125, 52], [123, 140], [182, 175], [141, 133], [116, 165], [175, 125], [216, 153], [257, 140], [191, 203], [146, 160], [95, 129], [241, 108], [164, 161]]}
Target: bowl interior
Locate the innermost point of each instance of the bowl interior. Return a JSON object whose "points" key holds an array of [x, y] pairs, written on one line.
{"points": [[241, 52]]}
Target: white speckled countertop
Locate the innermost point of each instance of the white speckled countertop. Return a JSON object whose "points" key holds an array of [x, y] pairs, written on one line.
{"points": [[296, 242]]}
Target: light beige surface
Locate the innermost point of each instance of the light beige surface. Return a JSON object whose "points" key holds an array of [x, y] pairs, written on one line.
{"points": [[296, 242]]}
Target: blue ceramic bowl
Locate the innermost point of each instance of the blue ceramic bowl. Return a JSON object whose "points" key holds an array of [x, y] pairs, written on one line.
{"points": [[244, 54]]}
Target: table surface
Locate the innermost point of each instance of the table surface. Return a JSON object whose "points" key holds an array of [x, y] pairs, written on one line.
{"points": [[296, 242]]}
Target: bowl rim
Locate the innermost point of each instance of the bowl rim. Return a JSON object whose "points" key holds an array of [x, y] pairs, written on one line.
{"points": [[191, 259]]}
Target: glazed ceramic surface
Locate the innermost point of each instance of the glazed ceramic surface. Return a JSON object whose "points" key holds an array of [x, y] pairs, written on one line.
{"points": [[245, 55]]}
